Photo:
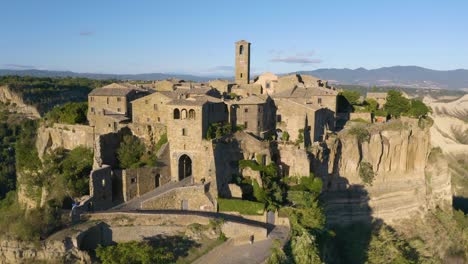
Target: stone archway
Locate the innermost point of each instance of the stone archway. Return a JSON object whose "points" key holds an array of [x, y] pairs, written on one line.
{"points": [[185, 167]]}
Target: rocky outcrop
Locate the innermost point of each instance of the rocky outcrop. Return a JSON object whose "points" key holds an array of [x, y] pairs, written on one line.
{"points": [[7, 96], [50, 251], [63, 136], [405, 181]]}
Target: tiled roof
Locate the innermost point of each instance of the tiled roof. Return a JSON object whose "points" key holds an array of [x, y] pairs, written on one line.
{"points": [[115, 89]]}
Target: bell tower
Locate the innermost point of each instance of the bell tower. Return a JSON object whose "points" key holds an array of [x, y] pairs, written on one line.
{"points": [[242, 62]]}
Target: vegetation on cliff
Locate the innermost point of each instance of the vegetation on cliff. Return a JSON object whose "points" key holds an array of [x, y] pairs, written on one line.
{"points": [[69, 113], [134, 252], [46, 93]]}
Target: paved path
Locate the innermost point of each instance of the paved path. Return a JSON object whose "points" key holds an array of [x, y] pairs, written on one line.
{"points": [[135, 203], [256, 253]]}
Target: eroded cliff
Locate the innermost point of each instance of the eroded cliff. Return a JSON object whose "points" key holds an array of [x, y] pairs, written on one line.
{"points": [[387, 171]]}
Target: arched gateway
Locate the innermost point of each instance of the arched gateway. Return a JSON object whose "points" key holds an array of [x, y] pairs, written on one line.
{"points": [[185, 167]]}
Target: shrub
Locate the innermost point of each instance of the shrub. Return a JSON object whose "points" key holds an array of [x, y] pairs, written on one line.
{"points": [[69, 113], [351, 96], [285, 136], [218, 130], [134, 252], [366, 172], [361, 133], [162, 140], [241, 206]]}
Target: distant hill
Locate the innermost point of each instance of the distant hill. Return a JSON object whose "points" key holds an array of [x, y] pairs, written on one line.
{"points": [[103, 76], [403, 76], [409, 76]]}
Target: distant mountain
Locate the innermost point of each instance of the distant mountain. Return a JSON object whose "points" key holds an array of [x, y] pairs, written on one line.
{"points": [[410, 76], [103, 76], [404, 76]]}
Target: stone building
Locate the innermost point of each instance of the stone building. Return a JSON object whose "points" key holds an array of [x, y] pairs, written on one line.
{"points": [[254, 114], [188, 122], [242, 62], [110, 106], [268, 81], [310, 111]]}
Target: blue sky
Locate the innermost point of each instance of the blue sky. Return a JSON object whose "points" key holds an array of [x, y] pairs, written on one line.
{"points": [[197, 37]]}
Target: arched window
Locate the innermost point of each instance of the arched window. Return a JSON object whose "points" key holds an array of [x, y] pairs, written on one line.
{"points": [[183, 114], [176, 114], [241, 49], [191, 114]]}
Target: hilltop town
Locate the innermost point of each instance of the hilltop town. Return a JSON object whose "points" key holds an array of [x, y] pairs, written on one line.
{"points": [[275, 159]]}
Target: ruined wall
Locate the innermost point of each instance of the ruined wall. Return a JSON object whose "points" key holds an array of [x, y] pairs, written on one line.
{"points": [[100, 188], [294, 161], [138, 181], [63, 136], [398, 153], [7, 96], [196, 197]]}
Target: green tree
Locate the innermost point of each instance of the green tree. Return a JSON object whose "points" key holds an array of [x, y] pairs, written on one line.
{"points": [[304, 249], [418, 109], [69, 113], [130, 152], [371, 105], [277, 254], [396, 104]]}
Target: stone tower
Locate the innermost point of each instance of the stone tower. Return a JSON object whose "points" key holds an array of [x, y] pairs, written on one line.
{"points": [[242, 62]]}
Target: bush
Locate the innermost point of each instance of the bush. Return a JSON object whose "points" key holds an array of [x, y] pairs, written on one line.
{"points": [[361, 133], [133, 253], [285, 136], [351, 96], [69, 113], [218, 130], [366, 172], [241, 206]]}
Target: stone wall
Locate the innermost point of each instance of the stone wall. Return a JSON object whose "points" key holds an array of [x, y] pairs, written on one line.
{"points": [[364, 116], [196, 198], [138, 181], [63, 136], [294, 161], [100, 188]]}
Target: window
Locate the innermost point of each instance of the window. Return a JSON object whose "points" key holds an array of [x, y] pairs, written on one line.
{"points": [[91, 99], [133, 180], [319, 100], [241, 75], [119, 99], [103, 182], [146, 101], [241, 51], [107, 100], [267, 85], [176, 113], [191, 114], [184, 132], [278, 118], [246, 110], [155, 107], [92, 109], [246, 124], [147, 119], [159, 119], [183, 114], [118, 109], [258, 123]]}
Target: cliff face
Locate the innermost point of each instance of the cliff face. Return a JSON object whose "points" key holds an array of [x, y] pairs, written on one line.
{"points": [[408, 179], [8, 96]]}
